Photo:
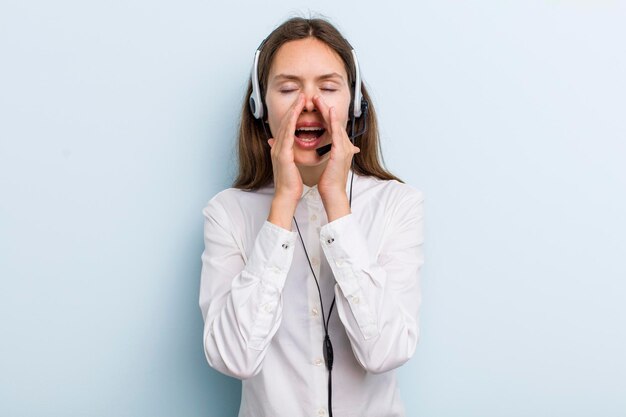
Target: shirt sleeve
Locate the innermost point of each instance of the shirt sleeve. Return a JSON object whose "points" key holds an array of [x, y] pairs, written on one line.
{"points": [[240, 296], [377, 293]]}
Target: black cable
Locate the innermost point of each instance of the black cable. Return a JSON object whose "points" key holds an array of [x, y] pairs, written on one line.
{"points": [[319, 291], [330, 392]]}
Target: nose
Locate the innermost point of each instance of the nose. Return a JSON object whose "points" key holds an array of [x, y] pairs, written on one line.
{"points": [[309, 105]]}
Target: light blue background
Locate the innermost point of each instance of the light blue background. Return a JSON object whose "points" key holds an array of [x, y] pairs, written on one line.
{"points": [[117, 124]]}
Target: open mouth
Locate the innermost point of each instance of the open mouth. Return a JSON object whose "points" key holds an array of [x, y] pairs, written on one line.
{"points": [[309, 134]]}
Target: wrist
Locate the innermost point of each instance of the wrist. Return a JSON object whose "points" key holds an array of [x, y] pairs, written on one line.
{"points": [[281, 212], [332, 193], [336, 205]]}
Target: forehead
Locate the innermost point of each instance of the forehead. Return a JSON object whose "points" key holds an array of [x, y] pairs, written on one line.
{"points": [[306, 57]]}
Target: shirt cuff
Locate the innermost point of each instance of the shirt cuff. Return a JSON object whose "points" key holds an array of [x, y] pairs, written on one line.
{"points": [[272, 254], [345, 250], [348, 256]]}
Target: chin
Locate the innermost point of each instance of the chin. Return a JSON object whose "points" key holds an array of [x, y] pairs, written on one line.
{"points": [[309, 158]]}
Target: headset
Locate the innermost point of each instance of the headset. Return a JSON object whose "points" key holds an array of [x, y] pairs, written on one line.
{"points": [[359, 103]]}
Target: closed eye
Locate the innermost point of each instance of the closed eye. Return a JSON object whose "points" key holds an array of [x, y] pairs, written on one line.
{"points": [[329, 87]]}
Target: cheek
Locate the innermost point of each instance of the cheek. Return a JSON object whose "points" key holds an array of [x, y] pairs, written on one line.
{"points": [[275, 112], [342, 106], [343, 113]]}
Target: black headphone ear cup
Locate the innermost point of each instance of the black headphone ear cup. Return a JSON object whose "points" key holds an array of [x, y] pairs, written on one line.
{"points": [[252, 104], [256, 105], [364, 106]]}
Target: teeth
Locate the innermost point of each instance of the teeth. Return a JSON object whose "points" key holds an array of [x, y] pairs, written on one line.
{"points": [[310, 129], [309, 133]]}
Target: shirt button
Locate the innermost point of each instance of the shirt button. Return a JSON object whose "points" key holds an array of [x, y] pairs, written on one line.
{"points": [[318, 362], [355, 300], [285, 246], [321, 412], [315, 312], [315, 261], [268, 308], [339, 262], [331, 240], [313, 217]]}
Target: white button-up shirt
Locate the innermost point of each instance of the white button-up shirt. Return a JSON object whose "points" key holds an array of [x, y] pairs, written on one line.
{"points": [[262, 312]]}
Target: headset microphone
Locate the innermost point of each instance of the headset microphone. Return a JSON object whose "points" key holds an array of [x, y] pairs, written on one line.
{"points": [[323, 150]]}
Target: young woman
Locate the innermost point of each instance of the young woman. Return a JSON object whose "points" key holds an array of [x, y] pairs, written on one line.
{"points": [[310, 274]]}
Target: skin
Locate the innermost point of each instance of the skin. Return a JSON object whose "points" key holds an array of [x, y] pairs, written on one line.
{"points": [[307, 83]]}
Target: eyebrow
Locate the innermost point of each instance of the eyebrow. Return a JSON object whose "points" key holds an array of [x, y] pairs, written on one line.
{"points": [[296, 78]]}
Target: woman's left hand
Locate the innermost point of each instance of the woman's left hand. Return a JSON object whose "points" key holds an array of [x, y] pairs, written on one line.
{"points": [[332, 182]]}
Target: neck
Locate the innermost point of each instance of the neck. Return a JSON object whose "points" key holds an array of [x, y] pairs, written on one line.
{"points": [[311, 175]]}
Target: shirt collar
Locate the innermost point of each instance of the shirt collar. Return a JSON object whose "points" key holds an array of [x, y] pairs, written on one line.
{"points": [[306, 190]]}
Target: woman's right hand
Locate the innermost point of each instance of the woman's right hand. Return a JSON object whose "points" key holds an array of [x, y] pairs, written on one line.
{"points": [[287, 180]]}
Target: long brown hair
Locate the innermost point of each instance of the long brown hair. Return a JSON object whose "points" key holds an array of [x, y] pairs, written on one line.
{"points": [[255, 163]]}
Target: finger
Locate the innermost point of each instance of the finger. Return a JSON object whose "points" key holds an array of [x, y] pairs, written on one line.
{"points": [[334, 124], [288, 125], [286, 132], [340, 138], [321, 105], [285, 142], [296, 110]]}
